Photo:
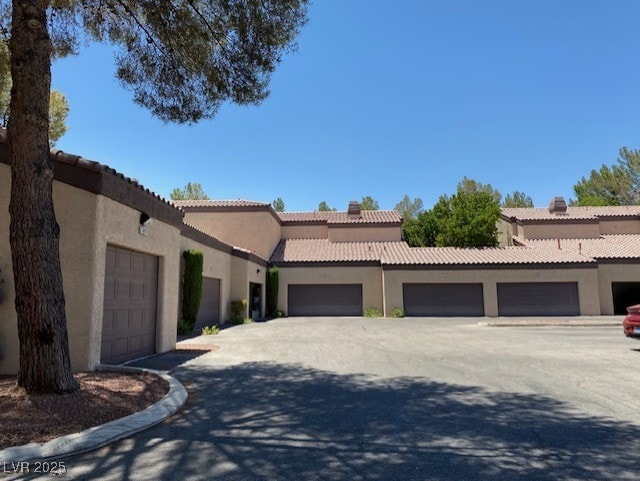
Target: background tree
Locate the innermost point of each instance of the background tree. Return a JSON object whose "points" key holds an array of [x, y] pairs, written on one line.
{"points": [[324, 207], [466, 219], [408, 208], [369, 203], [470, 186], [517, 199], [190, 192], [472, 221], [615, 185], [182, 60], [278, 205], [58, 104]]}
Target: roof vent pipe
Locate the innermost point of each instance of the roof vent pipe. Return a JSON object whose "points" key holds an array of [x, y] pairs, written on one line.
{"points": [[558, 206]]}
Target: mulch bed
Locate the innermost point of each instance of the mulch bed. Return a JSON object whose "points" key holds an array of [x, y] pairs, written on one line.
{"points": [[102, 397]]}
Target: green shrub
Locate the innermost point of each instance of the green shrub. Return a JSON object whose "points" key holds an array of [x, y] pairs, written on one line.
{"points": [[210, 330], [372, 312], [192, 286], [280, 313], [238, 311], [247, 320], [397, 312], [272, 291], [184, 328]]}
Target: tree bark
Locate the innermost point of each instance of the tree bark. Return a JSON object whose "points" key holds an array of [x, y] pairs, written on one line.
{"points": [[45, 364]]}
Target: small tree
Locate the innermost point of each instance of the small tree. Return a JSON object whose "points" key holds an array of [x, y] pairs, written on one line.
{"points": [[517, 199], [278, 205], [190, 192], [192, 286], [369, 203], [324, 207], [408, 208]]}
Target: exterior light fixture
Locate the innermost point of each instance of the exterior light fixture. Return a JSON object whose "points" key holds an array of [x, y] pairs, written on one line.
{"points": [[145, 219]]}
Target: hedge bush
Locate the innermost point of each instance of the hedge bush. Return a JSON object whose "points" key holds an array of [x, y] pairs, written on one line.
{"points": [[272, 292], [238, 310], [192, 286]]}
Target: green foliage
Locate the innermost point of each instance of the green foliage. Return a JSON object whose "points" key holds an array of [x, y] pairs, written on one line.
{"points": [[190, 192], [184, 327], [238, 311], [192, 285], [324, 207], [210, 330], [472, 221], [471, 186], [247, 320], [183, 60], [396, 312], [58, 104], [369, 203], [517, 199], [272, 291], [615, 185], [408, 208], [372, 312], [466, 219], [278, 205], [280, 313]]}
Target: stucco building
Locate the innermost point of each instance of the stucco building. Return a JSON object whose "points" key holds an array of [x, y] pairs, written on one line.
{"points": [[121, 254]]}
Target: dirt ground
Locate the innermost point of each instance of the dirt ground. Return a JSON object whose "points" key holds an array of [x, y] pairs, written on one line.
{"points": [[102, 397]]}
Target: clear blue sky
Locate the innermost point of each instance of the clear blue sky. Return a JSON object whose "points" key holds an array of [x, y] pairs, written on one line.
{"points": [[391, 98]]}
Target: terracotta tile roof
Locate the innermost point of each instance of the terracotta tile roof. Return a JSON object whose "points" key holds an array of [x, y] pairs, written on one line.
{"points": [[573, 213], [219, 203], [323, 250], [482, 256], [619, 246], [399, 253], [333, 217]]}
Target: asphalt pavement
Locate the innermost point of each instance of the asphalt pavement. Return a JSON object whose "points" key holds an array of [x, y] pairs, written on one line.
{"points": [[392, 399]]}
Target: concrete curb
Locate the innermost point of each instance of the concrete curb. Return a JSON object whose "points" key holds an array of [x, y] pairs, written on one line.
{"points": [[99, 436], [605, 321]]}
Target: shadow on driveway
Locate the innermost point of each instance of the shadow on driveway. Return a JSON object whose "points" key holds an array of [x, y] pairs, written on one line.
{"points": [[280, 422]]}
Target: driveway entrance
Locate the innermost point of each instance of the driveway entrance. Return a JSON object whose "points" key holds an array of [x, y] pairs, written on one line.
{"points": [[402, 399]]}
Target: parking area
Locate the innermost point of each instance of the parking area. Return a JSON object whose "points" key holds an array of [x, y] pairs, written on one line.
{"points": [[419, 398]]}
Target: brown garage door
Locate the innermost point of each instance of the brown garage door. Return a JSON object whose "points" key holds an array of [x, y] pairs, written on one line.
{"points": [[130, 299], [209, 313], [538, 299], [325, 299], [443, 300]]}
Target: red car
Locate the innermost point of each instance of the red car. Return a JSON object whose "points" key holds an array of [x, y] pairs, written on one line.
{"points": [[631, 323]]}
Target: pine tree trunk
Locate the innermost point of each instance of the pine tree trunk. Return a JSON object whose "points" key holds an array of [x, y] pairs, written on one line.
{"points": [[45, 364]]}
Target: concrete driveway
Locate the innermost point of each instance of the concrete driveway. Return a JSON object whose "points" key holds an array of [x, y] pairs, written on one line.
{"points": [[394, 399]]}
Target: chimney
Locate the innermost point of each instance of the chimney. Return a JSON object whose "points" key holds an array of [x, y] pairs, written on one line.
{"points": [[354, 209], [558, 206]]}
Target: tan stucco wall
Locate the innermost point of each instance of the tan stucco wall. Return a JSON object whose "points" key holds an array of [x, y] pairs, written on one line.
{"points": [[619, 227], [305, 232], [118, 225], [561, 231], [244, 271], [216, 264], [258, 232], [587, 284], [505, 233], [359, 234], [608, 273], [76, 212], [369, 276]]}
